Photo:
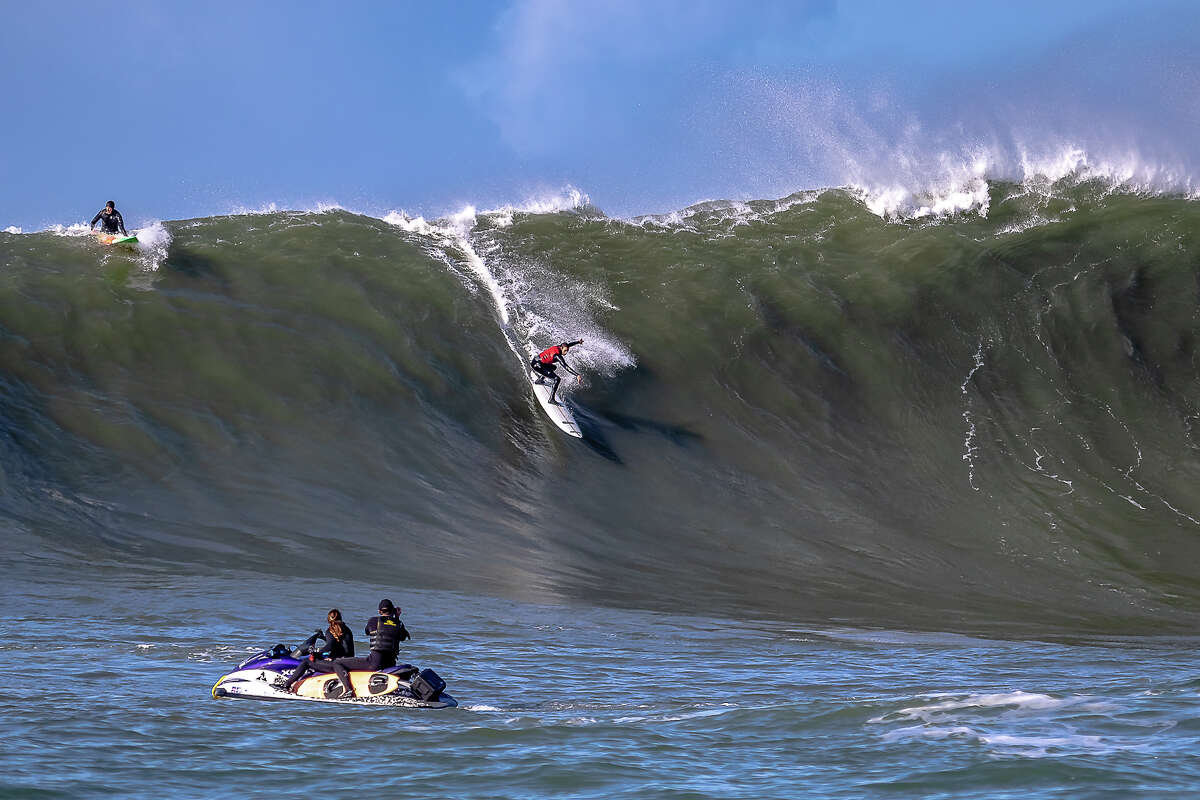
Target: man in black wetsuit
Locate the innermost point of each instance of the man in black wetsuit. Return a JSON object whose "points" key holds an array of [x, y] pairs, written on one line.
{"points": [[386, 632], [110, 219], [544, 365]]}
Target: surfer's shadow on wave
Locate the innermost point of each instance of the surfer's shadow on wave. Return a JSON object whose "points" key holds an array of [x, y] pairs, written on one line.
{"points": [[186, 268], [596, 420]]}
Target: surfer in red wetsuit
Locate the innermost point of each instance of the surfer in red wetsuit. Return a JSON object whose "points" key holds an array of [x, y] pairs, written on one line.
{"points": [[544, 364], [109, 219]]}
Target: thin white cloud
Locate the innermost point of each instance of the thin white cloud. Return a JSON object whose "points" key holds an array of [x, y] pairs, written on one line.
{"points": [[548, 54]]}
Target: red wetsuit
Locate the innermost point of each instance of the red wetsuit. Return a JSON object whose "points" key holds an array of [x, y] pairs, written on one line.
{"points": [[544, 364]]}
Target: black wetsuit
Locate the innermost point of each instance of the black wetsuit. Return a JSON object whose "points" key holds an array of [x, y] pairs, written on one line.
{"points": [[386, 635], [334, 648], [109, 222], [550, 370]]}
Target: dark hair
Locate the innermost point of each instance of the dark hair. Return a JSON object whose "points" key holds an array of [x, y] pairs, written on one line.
{"points": [[335, 623], [110, 204]]}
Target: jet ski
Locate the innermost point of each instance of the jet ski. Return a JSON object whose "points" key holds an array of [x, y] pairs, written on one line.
{"points": [[261, 676]]}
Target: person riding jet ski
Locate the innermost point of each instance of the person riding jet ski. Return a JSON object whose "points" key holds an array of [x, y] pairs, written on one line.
{"points": [[339, 643], [386, 633], [376, 679]]}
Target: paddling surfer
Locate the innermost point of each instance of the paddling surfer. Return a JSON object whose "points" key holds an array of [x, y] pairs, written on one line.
{"points": [[545, 365], [110, 219]]}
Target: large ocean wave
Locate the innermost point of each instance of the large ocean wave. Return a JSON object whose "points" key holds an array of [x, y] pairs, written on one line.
{"points": [[953, 407]]}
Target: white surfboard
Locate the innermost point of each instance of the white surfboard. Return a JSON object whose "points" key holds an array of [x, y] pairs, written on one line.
{"points": [[558, 413]]}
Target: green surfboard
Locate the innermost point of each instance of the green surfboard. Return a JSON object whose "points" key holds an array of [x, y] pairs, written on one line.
{"points": [[109, 238]]}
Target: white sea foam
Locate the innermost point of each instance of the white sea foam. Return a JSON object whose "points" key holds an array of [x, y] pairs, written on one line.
{"points": [[566, 199], [1038, 746], [550, 308], [911, 184], [908, 159], [241, 210], [730, 212], [900, 202], [924, 732], [564, 313], [1016, 700], [911, 181], [153, 242], [74, 229], [1030, 222], [1012, 744], [1019, 702], [969, 447], [679, 716], [318, 207], [958, 183], [452, 233], [999, 721]]}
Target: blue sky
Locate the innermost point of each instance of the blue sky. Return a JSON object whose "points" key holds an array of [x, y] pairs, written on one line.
{"points": [[179, 110]]}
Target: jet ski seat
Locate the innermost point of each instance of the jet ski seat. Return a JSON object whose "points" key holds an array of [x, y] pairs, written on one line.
{"points": [[402, 671]]}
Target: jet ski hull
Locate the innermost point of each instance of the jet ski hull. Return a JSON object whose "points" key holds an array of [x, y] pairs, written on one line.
{"points": [[261, 678]]}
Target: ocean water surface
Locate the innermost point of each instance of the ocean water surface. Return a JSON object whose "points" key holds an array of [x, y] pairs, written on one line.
{"points": [[571, 701]]}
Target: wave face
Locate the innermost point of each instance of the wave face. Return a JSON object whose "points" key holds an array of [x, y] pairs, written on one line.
{"points": [[793, 407]]}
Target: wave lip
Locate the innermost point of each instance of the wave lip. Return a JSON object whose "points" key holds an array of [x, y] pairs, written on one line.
{"points": [[452, 235], [952, 184], [568, 198]]}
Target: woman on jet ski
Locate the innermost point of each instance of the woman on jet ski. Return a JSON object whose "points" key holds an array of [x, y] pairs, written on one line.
{"points": [[339, 643]]}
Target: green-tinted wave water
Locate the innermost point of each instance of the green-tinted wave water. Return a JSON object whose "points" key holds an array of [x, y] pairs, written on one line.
{"points": [[792, 408]]}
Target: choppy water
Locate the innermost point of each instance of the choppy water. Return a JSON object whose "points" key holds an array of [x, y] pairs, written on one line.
{"points": [[568, 701]]}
